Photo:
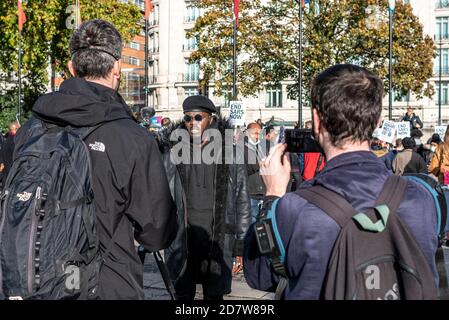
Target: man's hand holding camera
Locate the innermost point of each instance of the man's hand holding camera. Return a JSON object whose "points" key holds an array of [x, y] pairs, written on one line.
{"points": [[275, 171]]}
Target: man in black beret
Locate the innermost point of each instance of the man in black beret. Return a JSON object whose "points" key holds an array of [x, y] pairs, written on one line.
{"points": [[198, 112], [213, 206]]}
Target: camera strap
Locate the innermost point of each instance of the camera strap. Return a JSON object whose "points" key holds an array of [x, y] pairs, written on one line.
{"points": [[277, 254], [318, 166]]}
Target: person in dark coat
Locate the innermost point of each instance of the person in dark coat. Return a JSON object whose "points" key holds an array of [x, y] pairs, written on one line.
{"points": [[7, 149], [212, 200], [415, 121], [131, 193], [346, 105], [254, 154]]}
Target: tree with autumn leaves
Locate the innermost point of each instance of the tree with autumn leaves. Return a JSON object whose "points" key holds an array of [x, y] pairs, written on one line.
{"points": [[338, 31], [45, 37]]}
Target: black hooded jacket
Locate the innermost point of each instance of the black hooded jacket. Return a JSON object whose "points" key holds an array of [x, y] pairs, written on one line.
{"points": [[131, 193]]}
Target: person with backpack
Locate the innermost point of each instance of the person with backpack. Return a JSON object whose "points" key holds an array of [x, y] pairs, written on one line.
{"points": [[87, 182], [355, 231]]}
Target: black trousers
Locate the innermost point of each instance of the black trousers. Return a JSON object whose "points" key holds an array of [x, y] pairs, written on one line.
{"points": [[202, 257]]}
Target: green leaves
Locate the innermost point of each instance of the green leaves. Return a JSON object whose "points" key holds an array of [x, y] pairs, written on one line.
{"points": [[45, 37], [339, 31]]}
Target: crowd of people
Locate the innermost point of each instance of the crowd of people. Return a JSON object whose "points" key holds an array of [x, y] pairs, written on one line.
{"points": [[207, 215], [410, 155]]}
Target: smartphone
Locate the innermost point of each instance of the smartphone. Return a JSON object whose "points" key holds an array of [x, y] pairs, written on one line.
{"points": [[281, 138], [301, 141]]}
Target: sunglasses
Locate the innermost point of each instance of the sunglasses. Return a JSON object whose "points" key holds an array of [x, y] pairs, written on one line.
{"points": [[196, 117]]}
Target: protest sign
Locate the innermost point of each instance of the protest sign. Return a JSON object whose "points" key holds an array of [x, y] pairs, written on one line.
{"points": [[387, 131], [237, 113], [403, 129]]}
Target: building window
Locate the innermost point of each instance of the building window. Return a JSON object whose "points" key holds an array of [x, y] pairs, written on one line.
{"points": [[400, 96], [154, 42], [192, 13], [444, 62], [444, 93], [134, 45], [190, 91], [273, 98], [192, 71], [442, 4], [227, 93], [228, 67], [190, 44], [140, 4], [154, 71], [134, 61], [154, 16], [442, 28]]}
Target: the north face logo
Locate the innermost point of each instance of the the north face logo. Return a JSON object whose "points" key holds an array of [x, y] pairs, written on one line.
{"points": [[24, 196], [98, 146]]}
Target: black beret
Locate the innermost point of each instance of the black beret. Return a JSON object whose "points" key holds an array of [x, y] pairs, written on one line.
{"points": [[198, 103]]}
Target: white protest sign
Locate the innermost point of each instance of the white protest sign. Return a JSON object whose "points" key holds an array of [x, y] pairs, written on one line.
{"points": [[441, 130], [387, 131], [237, 113], [403, 129]]}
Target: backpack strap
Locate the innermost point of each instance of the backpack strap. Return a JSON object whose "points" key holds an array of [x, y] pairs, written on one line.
{"points": [[330, 202], [341, 211], [392, 193]]}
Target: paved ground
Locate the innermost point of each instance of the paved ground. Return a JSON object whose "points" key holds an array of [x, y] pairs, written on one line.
{"points": [[155, 289]]}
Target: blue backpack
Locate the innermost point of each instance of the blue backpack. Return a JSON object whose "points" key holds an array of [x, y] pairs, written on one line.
{"points": [[440, 194]]}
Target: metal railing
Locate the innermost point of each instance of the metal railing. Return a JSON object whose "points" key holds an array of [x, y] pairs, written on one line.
{"points": [[190, 77], [444, 71]]}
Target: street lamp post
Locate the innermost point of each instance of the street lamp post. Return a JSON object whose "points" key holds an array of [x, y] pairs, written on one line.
{"points": [[391, 6], [439, 86], [300, 65]]}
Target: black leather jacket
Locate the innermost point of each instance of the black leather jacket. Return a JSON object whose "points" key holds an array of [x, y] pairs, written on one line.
{"points": [[231, 215]]}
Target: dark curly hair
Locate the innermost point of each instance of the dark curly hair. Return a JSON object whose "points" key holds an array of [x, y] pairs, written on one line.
{"points": [[348, 99]]}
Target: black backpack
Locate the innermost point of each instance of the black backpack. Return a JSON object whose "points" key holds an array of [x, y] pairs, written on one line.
{"points": [[373, 260], [49, 247]]}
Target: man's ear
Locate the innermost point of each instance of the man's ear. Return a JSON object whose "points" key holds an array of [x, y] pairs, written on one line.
{"points": [[71, 69], [316, 122], [117, 68]]}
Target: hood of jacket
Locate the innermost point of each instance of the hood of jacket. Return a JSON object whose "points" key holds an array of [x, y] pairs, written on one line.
{"points": [[81, 103]]}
